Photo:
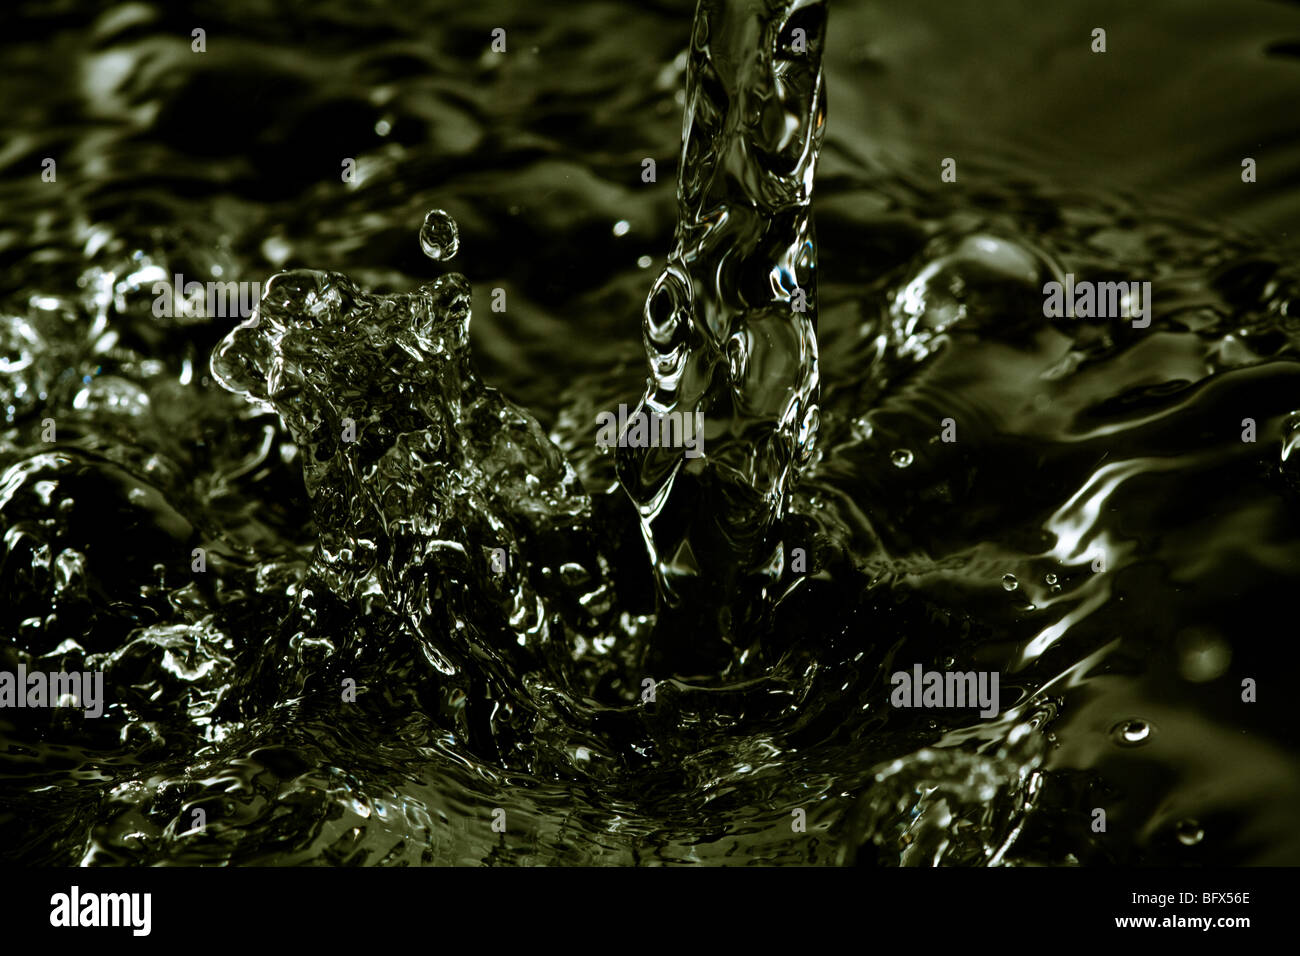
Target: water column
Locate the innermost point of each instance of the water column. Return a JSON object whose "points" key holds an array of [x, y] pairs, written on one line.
{"points": [[730, 325]]}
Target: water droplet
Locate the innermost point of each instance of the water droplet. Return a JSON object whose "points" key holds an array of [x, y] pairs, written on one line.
{"points": [[1202, 655], [1189, 832], [439, 237], [644, 262], [1051, 579], [1009, 582], [901, 458], [621, 227], [1131, 733], [277, 250]]}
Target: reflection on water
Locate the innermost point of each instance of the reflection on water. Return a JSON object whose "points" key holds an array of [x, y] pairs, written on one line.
{"points": [[401, 600]]}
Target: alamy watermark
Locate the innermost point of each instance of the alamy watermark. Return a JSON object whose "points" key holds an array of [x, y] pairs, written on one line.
{"points": [[953, 690], [647, 429], [75, 908], [36, 689], [213, 300], [1099, 300]]}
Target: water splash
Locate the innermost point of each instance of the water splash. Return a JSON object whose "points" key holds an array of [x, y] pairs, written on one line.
{"points": [[433, 496], [949, 807]]}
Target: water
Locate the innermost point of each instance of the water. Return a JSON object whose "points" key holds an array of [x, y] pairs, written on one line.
{"points": [[360, 580], [730, 324], [439, 236]]}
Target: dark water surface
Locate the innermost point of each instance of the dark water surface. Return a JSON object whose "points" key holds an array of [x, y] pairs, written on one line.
{"points": [[1099, 533]]}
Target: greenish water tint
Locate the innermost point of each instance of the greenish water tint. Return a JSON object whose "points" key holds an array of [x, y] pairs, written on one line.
{"points": [[394, 637]]}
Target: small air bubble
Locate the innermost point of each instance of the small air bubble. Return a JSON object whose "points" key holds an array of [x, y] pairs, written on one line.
{"points": [[1009, 582], [1202, 655], [1131, 733], [1051, 579], [1189, 832], [439, 237], [621, 227], [644, 262], [901, 458]]}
